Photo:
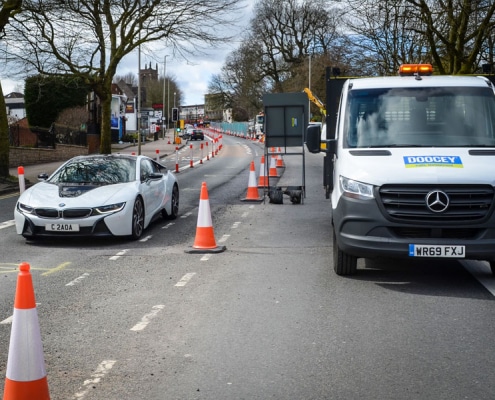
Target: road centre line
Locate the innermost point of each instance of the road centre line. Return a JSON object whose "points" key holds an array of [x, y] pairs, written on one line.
{"points": [[145, 239], [147, 318], [185, 279], [102, 369]]}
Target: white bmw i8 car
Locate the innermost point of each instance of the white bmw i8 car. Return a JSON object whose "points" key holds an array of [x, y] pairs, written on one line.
{"points": [[98, 195]]}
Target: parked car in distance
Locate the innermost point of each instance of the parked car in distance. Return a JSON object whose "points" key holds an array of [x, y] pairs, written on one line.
{"points": [[197, 134], [98, 195]]}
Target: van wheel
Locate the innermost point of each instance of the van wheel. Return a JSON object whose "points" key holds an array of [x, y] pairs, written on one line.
{"points": [[343, 263], [492, 267]]}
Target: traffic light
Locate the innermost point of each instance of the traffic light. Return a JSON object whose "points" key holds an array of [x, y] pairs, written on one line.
{"points": [[175, 114]]}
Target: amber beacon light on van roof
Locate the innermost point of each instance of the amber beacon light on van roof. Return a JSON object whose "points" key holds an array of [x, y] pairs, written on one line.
{"points": [[415, 69]]}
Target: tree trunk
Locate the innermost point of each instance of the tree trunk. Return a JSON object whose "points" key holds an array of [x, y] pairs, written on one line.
{"points": [[105, 97]]}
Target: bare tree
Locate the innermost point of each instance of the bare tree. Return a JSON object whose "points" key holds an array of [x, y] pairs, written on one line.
{"points": [[383, 35], [88, 38], [456, 31], [9, 9], [129, 78]]}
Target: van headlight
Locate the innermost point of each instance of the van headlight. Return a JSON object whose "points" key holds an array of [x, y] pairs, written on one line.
{"points": [[356, 189]]}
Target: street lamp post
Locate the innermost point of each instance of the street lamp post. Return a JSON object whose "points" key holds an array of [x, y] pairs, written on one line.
{"points": [[163, 105], [139, 96], [175, 122]]}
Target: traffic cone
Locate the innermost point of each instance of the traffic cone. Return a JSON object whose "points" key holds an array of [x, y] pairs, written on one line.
{"points": [[280, 160], [26, 375], [205, 237], [272, 173], [262, 180], [252, 190]]}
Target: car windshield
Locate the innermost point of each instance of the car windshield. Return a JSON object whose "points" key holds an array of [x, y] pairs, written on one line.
{"points": [[420, 117], [96, 170]]}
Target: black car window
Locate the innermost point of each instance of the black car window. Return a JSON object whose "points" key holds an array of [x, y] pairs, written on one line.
{"points": [[97, 170]]}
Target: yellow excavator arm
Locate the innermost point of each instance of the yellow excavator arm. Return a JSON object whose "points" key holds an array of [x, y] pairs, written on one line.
{"points": [[316, 100]]}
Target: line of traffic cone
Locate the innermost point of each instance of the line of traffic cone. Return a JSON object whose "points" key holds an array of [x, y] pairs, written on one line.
{"points": [[263, 179], [26, 375], [204, 241], [252, 190]]}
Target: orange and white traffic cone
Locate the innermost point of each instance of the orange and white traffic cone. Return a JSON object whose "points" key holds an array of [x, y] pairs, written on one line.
{"points": [[280, 160], [252, 190], [205, 236], [26, 375], [262, 180], [272, 173]]}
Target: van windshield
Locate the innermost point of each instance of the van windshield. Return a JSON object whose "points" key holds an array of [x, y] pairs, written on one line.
{"points": [[420, 117]]}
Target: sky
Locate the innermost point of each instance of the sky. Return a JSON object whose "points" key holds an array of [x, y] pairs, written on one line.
{"points": [[192, 75]]}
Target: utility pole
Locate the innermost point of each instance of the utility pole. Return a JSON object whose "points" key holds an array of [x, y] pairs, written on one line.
{"points": [[163, 105]]}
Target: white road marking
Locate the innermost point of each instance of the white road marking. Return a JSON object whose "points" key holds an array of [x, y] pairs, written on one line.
{"points": [[7, 321], [102, 369], [6, 224], [78, 279], [206, 257], [168, 225], [185, 279], [186, 215], [236, 224], [482, 272], [147, 318], [118, 255], [223, 238], [145, 239]]}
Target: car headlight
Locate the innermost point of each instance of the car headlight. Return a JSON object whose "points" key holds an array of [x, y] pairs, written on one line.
{"points": [[108, 209], [24, 208], [356, 189]]}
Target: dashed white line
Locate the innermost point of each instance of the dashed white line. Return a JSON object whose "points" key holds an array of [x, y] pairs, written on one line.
{"points": [[185, 279], [235, 225], [78, 279], [145, 239], [118, 255], [223, 238], [102, 369], [168, 225], [147, 318]]}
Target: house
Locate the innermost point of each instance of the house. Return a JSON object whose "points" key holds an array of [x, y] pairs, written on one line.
{"points": [[14, 103]]}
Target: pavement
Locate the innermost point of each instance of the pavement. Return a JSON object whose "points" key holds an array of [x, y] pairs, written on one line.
{"points": [[162, 147]]}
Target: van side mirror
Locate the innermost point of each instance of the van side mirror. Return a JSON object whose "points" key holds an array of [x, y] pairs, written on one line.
{"points": [[313, 138]]}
